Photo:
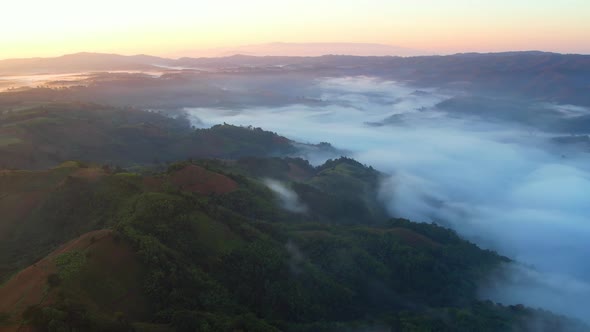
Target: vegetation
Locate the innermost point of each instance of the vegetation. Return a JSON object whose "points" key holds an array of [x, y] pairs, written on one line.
{"points": [[205, 245], [35, 138], [4, 318], [235, 260], [69, 264]]}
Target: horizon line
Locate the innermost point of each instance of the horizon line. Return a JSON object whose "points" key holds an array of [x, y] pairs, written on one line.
{"points": [[290, 56]]}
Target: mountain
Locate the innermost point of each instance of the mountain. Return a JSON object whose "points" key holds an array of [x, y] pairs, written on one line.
{"points": [[305, 49], [186, 82], [78, 62]]}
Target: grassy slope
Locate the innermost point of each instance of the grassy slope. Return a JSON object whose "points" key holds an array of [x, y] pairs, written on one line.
{"points": [[31, 220], [109, 278], [94, 269], [42, 209]]}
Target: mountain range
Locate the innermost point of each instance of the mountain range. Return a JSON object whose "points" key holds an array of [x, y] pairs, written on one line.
{"points": [[305, 49], [548, 77]]}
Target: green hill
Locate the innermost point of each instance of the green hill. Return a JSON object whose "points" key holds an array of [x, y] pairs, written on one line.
{"points": [[42, 135], [341, 190], [206, 246]]}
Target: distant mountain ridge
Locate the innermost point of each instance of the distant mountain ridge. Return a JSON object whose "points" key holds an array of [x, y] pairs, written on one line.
{"points": [[83, 61], [547, 77], [307, 49], [89, 61]]}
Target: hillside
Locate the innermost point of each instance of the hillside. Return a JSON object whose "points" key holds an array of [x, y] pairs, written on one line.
{"points": [[163, 227], [48, 207], [41, 135], [341, 189], [208, 246], [96, 269]]}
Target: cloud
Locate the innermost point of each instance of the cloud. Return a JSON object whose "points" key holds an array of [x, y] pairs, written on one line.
{"points": [[500, 183], [289, 199], [516, 283]]}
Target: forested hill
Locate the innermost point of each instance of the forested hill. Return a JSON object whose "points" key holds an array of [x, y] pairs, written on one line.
{"points": [[159, 226], [207, 246], [42, 135]]}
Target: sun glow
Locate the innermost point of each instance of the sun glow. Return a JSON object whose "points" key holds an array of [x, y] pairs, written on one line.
{"points": [[42, 28]]}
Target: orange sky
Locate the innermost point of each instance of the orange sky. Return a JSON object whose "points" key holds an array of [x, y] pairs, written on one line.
{"points": [[47, 28]]}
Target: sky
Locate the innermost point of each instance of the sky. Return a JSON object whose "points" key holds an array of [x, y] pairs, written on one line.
{"points": [[30, 28]]}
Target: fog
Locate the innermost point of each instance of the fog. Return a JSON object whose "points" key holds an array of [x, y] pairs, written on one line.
{"points": [[498, 181], [289, 199]]}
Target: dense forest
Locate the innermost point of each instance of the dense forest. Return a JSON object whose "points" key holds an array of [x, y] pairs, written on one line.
{"points": [[119, 241]]}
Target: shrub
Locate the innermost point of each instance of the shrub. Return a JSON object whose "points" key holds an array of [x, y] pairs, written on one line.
{"points": [[53, 280], [4, 318]]}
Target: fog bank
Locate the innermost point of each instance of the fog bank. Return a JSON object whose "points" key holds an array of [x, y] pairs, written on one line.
{"points": [[497, 180]]}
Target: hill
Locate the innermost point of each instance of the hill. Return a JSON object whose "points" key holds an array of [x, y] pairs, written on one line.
{"points": [[208, 246], [46, 208], [96, 269], [41, 135], [341, 189]]}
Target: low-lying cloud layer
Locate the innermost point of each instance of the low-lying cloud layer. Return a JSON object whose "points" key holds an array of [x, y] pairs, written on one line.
{"points": [[497, 181]]}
